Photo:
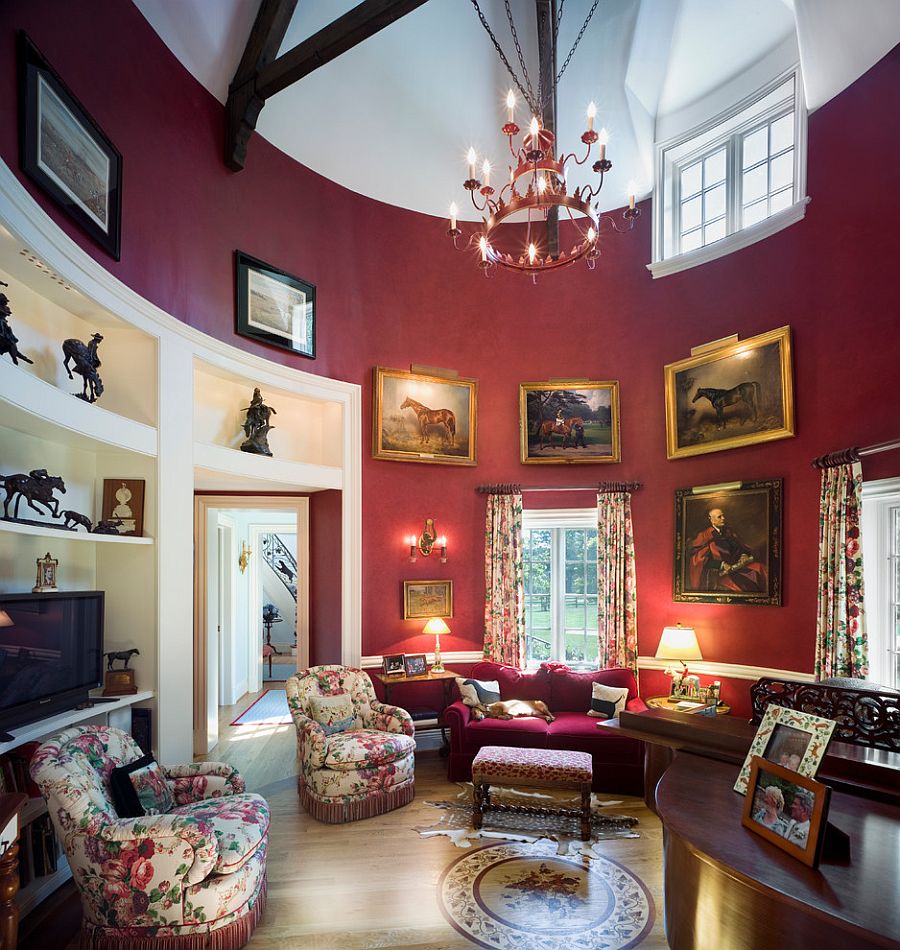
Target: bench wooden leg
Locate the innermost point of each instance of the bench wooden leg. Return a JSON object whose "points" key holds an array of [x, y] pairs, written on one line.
{"points": [[481, 797], [585, 812]]}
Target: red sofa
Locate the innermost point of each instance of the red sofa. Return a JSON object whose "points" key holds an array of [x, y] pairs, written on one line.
{"points": [[618, 762]]}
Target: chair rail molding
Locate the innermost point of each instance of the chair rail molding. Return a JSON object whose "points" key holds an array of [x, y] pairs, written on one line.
{"points": [[735, 671]]}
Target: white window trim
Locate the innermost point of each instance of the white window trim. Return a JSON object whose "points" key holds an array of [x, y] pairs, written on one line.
{"points": [[878, 497], [662, 267]]}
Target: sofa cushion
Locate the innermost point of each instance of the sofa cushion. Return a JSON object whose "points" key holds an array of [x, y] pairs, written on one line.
{"points": [[475, 692], [334, 713], [365, 749], [516, 684], [140, 788], [572, 691], [525, 732], [578, 732], [607, 701]]}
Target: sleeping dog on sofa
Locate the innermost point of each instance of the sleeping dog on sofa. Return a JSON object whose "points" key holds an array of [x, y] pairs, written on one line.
{"points": [[513, 709]]}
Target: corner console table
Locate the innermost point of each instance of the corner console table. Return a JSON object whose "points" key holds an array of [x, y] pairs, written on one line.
{"points": [[728, 887]]}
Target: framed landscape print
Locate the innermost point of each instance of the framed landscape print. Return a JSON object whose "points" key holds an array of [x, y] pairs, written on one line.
{"points": [[275, 307], [421, 418], [123, 503], [66, 153], [423, 600], [737, 394], [566, 422], [728, 545]]}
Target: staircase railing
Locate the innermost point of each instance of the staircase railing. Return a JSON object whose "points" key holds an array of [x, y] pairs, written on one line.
{"points": [[281, 561]]}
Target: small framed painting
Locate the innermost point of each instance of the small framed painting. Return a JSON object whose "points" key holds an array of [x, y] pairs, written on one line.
{"points": [[422, 418], [790, 738], [416, 664], [562, 423], [123, 503], [728, 544], [394, 665], [787, 809], [736, 394], [275, 307], [66, 153], [423, 600]]}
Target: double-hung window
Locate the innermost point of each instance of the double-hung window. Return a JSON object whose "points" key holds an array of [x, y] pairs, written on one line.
{"points": [[881, 565], [560, 567]]}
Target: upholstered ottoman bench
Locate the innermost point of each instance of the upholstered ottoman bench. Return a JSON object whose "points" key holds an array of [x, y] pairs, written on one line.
{"points": [[541, 768]]}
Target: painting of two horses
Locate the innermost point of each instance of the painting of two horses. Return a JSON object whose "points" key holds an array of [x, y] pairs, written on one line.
{"points": [[563, 422], [423, 418], [736, 394]]}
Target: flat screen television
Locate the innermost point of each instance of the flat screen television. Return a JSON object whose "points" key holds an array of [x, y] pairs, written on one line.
{"points": [[51, 653]]}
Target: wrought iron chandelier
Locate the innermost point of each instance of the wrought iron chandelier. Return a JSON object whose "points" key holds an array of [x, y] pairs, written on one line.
{"points": [[537, 189]]}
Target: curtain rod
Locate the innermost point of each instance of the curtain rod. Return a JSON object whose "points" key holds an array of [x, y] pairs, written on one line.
{"points": [[853, 454], [519, 489]]}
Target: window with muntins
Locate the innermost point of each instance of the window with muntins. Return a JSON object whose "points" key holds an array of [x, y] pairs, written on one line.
{"points": [[880, 531], [560, 568]]}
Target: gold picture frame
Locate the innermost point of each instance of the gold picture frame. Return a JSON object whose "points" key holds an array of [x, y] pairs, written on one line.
{"points": [[738, 394], [569, 422], [423, 600], [423, 418]]}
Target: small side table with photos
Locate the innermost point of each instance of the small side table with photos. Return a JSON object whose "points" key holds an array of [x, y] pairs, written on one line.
{"points": [[444, 677]]}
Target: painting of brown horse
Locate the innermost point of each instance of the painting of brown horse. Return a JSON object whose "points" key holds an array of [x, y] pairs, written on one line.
{"points": [[443, 418], [549, 427]]}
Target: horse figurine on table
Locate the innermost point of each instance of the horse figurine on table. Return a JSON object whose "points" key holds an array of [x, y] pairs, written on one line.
{"points": [[84, 356], [432, 417], [747, 393], [36, 488]]}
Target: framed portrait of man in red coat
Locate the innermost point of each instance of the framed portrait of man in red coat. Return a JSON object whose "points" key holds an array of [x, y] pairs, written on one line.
{"points": [[728, 544]]}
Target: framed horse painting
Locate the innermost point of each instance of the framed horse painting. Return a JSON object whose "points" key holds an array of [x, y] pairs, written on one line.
{"points": [[729, 394], [423, 418], [569, 422]]}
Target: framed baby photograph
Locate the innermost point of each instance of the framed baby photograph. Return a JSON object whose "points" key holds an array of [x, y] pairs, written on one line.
{"points": [[394, 664]]}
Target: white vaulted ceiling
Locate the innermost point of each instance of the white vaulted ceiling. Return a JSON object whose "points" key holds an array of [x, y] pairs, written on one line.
{"points": [[393, 117]]}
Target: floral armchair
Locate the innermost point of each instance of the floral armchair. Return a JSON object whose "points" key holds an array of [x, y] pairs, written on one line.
{"points": [[192, 878], [356, 768]]}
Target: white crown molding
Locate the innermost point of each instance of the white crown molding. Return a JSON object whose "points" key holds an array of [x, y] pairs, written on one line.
{"points": [[734, 671], [734, 242], [471, 656]]}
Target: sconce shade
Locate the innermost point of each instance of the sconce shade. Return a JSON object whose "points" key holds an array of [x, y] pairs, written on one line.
{"points": [[678, 643], [436, 625], [6, 620]]}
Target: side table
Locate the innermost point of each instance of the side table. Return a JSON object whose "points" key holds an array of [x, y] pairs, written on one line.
{"points": [[10, 807], [445, 678], [671, 703]]}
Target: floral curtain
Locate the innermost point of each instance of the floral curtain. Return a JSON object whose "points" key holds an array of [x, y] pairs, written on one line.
{"points": [[504, 590], [841, 645], [616, 582]]}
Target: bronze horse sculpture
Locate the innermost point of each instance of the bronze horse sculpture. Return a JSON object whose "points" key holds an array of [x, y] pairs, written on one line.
{"points": [[747, 393], [84, 356], [432, 417], [549, 427], [36, 488]]}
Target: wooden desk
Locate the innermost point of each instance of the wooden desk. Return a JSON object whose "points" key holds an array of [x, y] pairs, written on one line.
{"points": [[10, 807], [727, 887]]}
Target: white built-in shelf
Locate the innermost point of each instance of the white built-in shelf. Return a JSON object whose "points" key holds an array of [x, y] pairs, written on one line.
{"points": [[34, 808], [40, 888], [43, 728], [61, 534], [38, 408], [221, 468]]}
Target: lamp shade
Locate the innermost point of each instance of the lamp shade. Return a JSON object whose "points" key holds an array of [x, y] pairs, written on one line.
{"points": [[436, 625], [678, 643], [6, 620]]}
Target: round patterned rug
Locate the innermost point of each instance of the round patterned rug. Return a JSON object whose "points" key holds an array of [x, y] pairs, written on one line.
{"points": [[523, 895]]}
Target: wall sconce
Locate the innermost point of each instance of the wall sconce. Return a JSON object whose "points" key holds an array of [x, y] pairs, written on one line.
{"points": [[426, 542], [244, 559]]}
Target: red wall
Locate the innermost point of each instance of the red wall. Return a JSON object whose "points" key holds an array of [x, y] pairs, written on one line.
{"points": [[391, 291]]}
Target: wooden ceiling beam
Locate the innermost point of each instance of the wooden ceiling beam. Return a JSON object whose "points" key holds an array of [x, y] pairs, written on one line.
{"points": [[546, 18], [262, 78]]}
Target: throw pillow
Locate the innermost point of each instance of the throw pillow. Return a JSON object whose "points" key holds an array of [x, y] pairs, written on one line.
{"points": [[140, 788], [478, 692], [333, 713], [607, 701]]}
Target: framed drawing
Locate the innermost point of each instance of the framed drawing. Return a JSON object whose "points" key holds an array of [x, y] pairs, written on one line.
{"points": [[421, 418], [787, 809], [123, 502], [728, 544], [423, 600], [275, 307], [790, 738], [416, 664], [561, 423], [737, 394], [394, 664], [65, 152]]}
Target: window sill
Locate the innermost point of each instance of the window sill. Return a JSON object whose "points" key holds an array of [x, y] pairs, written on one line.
{"points": [[734, 242]]}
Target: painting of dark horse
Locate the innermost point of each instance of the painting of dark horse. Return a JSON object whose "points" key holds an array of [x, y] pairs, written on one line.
{"points": [[737, 394], [423, 418]]}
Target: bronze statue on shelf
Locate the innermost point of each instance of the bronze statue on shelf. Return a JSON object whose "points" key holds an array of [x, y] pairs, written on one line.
{"points": [[256, 425], [123, 655], [75, 518], [8, 339], [37, 488], [107, 526], [84, 356]]}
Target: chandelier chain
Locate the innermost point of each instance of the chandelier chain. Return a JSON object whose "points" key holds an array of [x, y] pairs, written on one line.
{"points": [[502, 55], [577, 38], [521, 55]]}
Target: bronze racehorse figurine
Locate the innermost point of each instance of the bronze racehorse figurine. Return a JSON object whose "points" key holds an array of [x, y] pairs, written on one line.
{"points": [[747, 393], [432, 417]]}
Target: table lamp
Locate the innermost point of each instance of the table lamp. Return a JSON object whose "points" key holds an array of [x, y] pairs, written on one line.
{"points": [[436, 626], [5, 619], [679, 643]]}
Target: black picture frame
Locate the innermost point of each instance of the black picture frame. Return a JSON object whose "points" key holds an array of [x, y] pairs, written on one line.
{"points": [[65, 152], [753, 516], [263, 296]]}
